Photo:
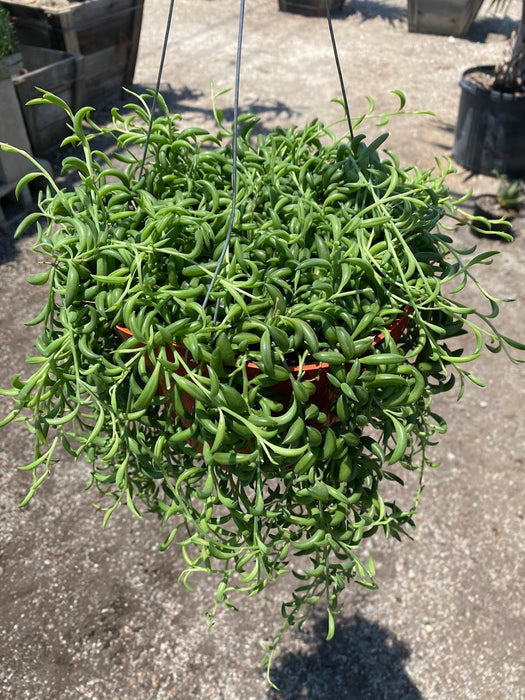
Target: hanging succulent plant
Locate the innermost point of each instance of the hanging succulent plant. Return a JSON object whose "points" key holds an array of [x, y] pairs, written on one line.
{"points": [[266, 398]]}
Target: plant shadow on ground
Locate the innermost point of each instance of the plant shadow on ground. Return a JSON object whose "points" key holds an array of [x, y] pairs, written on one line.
{"points": [[194, 106], [363, 661], [370, 9], [14, 215], [8, 250], [447, 129], [484, 26], [190, 103]]}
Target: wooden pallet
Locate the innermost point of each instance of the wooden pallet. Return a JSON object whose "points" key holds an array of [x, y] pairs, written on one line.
{"points": [[105, 32], [446, 17], [57, 72]]}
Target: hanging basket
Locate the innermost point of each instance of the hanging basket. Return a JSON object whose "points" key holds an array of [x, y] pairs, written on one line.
{"points": [[333, 241]]}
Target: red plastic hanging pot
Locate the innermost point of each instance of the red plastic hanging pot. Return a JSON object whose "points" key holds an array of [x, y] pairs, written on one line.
{"points": [[325, 393]]}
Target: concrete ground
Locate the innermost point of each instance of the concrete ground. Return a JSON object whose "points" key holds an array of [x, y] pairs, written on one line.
{"points": [[86, 613]]}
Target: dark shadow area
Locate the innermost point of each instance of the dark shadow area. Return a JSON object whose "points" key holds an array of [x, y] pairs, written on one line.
{"points": [[182, 101], [14, 211], [363, 661], [174, 98], [370, 9], [8, 249], [443, 147], [483, 26], [185, 101]]}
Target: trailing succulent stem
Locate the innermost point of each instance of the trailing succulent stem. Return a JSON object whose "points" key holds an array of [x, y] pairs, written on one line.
{"points": [[207, 414]]}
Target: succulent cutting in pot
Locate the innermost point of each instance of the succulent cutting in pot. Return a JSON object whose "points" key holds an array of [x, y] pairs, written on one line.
{"points": [[339, 258], [490, 128], [498, 211]]}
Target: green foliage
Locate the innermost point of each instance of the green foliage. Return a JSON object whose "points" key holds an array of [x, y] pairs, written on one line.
{"points": [[254, 470], [8, 38], [509, 194]]}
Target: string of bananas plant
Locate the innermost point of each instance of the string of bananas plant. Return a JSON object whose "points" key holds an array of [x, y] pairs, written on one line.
{"points": [[272, 427]]}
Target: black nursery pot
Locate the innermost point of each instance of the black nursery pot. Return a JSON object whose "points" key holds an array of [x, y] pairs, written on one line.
{"points": [[490, 129]]}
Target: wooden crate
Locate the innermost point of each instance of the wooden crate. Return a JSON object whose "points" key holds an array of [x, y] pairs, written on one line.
{"points": [[312, 8], [57, 72], [105, 32], [446, 17], [105, 73]]}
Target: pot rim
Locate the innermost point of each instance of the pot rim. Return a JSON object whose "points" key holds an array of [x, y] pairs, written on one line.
{"points": [[400, 320], [495, 95], [251, 365]]}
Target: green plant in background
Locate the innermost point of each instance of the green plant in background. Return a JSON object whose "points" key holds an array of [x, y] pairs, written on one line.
{"points": [[8, 38], [509, 194], [262, 397], [510, 73]]}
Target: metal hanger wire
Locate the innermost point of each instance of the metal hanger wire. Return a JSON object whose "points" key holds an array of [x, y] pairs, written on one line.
{"points": [[235, 126], [157, 87], [235, 134], [338, 66]]}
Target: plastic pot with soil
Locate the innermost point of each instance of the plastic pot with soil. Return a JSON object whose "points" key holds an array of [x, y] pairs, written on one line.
{"points": [[490, 129]]}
